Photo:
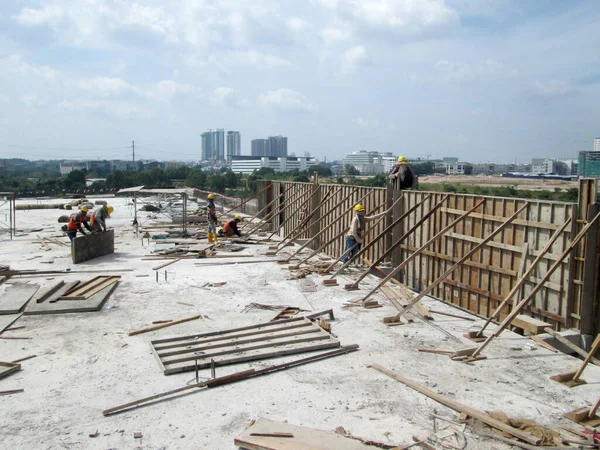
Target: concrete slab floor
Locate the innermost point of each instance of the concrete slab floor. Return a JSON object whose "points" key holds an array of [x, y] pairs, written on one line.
{"points": [[87, 363]]}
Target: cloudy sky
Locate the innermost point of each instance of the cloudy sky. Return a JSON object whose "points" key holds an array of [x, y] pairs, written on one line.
{"points": [[484, 80]]}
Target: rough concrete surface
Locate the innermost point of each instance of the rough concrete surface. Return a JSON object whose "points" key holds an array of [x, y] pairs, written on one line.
{"points": [[86, 362]]}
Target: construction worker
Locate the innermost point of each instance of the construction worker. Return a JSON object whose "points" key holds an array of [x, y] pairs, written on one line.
{"points": [[403, 172], [211, 216], [356, 234], [99, 216], [231, 227], [75, 223]]}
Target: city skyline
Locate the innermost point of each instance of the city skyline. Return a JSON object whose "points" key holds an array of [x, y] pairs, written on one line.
{"points": [[434, 77]]}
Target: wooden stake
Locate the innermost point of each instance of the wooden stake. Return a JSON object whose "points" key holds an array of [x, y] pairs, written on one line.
{"points": [[162, 325], [517, 310], [457, 406], [247, 200], [525, 275], [445, 275]]}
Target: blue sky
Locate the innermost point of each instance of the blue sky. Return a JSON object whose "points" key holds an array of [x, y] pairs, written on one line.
{"points": [[484, 80]]}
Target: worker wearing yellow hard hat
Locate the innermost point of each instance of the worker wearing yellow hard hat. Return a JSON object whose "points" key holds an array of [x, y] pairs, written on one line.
{"points": [[356, 233], [231, 227], [407, 179], [211, 217], [99, 216]]}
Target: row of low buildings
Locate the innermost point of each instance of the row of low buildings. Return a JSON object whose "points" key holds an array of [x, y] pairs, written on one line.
{"points": [[248, 164]]}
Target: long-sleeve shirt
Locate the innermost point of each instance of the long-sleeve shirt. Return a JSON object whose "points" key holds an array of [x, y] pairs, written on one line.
{"points": [[211, 210], [100, 215], [356, 231], [231, 225]]}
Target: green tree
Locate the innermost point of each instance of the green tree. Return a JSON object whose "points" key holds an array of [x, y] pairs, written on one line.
{"points": [[350, 170]]}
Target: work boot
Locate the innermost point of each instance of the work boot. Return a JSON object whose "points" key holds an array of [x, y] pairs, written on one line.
{"points": [[215, 238], [210, 237]]}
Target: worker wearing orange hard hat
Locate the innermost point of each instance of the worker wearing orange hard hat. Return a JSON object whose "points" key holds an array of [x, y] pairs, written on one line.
{"points": [[405, 174], [356, 233]]}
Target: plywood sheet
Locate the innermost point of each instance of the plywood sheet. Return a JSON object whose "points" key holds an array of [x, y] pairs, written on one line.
{"points": [[304, 438], [16, 296]]}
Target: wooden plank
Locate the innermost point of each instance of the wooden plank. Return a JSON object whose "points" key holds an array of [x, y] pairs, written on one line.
{"points": [[588, 358], [529, 324], [94, 303], [194, 341], [8, 368], [262, 435], [16, 296], [168, 263], [538, 340], [192, 348], [460, 407], [162, 325], [84, 294], [81, 288], [563, 340], [240, 348], [258, 357], [500, 245], [549, 226]]}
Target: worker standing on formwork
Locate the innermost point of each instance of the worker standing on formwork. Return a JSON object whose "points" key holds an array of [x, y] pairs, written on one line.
{"points": [[75, 224], [99, 216], [403, 172], [356, 234], [211, 216], [231, 227]]}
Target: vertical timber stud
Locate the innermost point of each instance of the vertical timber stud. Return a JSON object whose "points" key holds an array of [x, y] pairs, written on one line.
{"points": [[588, 188], [398, 230], [266, 199], [389, 201], [588, 312], [314, 221]]}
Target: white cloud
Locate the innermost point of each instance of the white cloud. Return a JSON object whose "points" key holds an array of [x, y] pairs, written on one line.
{"points": [[353, 57], [298, 24], [166, 89], [33, 101], [255, 58], [48, 15], [286, 99], [334, 34], [223, 96], [453, 71], [154, 19], [115, 108], [552, 88], [103, 86], [404, 16], [366, 124], [15, 64]]}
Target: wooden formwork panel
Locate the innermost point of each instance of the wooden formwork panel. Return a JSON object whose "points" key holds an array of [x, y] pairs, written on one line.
{"points": [[483, 282]]}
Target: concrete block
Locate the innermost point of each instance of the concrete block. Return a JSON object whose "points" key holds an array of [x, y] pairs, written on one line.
{"points": [[92, 246]]}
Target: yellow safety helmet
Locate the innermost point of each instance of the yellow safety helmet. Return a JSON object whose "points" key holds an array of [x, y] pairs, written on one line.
{"points": [[211, 195], [84, 209], [110, 209], [359, 208], [401, 160], [238, 217]]}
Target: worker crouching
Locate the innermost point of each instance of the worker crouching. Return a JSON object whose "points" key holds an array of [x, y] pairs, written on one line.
{"points": [[231, 227], [76, 223], [99, 216]]}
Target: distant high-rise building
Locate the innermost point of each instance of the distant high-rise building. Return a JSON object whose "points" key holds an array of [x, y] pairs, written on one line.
{"points": [[597, 144], [234, 145], [277, 146], [213, 145], [259, 147]]}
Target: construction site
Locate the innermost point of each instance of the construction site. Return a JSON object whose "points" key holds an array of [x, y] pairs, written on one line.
{"points": [[463, 321]]}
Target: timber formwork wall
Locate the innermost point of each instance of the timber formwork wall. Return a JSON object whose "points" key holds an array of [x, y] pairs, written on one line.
{"points": [[566, 300]]}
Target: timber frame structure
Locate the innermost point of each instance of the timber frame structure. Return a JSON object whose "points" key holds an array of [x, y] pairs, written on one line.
{"points": [[568, 299]]}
